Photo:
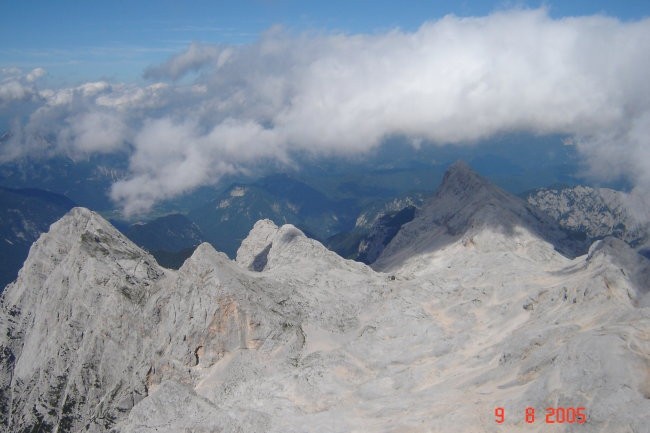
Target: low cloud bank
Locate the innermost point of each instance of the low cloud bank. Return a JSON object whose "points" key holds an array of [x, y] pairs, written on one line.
{"points": [[215, 110]]}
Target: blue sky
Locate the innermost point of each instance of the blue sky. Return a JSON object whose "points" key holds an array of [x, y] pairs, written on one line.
{"points": [[116, 40]]}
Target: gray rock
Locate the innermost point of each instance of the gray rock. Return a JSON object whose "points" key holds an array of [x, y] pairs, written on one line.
{"points": [[596, 212], [95, 336]]}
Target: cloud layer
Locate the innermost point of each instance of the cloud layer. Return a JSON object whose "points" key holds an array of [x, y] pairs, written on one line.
{"points": [[222, 109]]}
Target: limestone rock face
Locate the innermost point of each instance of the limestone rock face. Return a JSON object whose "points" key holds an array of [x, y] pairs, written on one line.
{"points": [[598, 212], [93, 325], [478, 311], [72, 329]]}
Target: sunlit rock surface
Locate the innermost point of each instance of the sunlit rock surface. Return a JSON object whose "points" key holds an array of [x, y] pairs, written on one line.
{"points": [[472, 306]]}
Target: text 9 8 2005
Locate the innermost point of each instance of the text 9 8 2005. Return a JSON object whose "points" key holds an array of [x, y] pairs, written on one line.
{"points": [[551, 415]]}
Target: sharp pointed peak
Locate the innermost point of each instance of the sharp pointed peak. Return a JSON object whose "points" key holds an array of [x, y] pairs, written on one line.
{"points": [[461, 170], [264, 225], [79, 213], [461, 181], [85, 235], [259, 239], [460, 166], [204, 249], [80, 221], [204, 256]]}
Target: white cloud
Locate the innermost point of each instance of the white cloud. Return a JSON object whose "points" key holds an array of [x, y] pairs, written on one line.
{"points": [[196, 57], [13, 90], [94, 132], [171, 158], [454, 80], [35, 74], [16, 86]]}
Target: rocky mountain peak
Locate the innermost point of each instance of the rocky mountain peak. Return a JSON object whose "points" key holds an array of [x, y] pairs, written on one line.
{"points": [[78, 277], [271, 247], [81, 226], [461, 181], [83, 235], [465, 206], [203, 255], [79, 220], [258, 240]]}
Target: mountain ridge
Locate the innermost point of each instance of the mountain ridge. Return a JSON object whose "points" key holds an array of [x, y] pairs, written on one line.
{"points": [[464, 205], [96, 336]]}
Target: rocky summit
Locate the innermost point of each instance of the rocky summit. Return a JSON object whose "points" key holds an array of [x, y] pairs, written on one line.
{"points": [[479, 310]]}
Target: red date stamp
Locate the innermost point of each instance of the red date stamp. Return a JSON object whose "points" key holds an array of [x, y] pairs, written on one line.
{"points": [[553, 415]]}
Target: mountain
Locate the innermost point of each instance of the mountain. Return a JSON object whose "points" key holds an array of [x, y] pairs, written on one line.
{"points": [[24, 215], [226, 221], [375, 227], [515, 162], [468, 207], [596, 212], [481, 311], [112, 327], [64, 350]]}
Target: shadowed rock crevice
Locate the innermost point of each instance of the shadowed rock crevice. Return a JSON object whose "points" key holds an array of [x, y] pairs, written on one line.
{"points": [[198, 353], [261, 259]]}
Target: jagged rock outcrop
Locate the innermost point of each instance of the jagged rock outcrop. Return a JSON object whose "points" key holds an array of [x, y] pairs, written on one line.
{"points": [[93, 325], [293, 338], [253, 252], [596, 212]]}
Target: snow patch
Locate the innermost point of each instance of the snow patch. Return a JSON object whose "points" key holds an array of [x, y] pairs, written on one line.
{"points": [[238, 191]]}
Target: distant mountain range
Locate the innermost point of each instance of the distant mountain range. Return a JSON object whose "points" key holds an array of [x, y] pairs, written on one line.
{"points": [[85, 181], [226, 220], [325, 197]]}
